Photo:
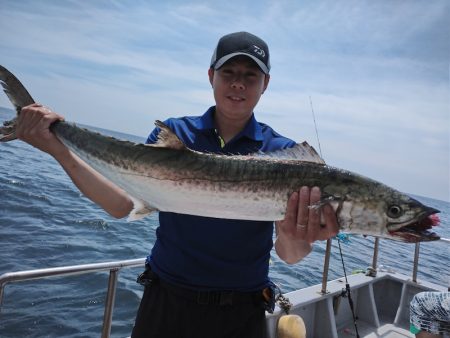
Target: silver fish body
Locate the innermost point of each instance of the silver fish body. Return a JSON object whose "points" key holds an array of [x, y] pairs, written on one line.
{"points": [[168, 176]]}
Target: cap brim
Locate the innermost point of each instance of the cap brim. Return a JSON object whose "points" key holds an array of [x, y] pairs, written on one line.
{"points": [[225, 58]]}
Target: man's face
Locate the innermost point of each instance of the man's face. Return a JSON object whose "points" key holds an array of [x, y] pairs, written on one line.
{"points": [[237, 86]]}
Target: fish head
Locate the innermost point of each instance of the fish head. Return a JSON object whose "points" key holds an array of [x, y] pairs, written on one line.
{"points": [[409, 220], [372, 208]]}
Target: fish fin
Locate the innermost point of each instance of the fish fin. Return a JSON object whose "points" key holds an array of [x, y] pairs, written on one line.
{"points": [[167, 138], [301, 151], [14, 89], [334, 201], [18, 96], [140, 210], [326, 199]]}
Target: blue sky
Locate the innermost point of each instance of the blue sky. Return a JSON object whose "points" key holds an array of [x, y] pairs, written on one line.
{"points": [[377, 72]]}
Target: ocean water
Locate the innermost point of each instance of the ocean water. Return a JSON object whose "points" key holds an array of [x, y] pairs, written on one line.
{"points": [[46, 222]]}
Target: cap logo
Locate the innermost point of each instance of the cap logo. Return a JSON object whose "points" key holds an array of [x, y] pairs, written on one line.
{"points": [[259, 51]]}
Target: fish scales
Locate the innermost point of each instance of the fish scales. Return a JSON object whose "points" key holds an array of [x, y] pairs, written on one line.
{"points": [[252, 188]]}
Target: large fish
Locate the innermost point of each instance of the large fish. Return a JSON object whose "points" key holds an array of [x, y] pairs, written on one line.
{"points": [[168, 176]]}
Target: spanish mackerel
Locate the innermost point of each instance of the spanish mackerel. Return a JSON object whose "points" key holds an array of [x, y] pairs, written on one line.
{"points": [[167, 176]]}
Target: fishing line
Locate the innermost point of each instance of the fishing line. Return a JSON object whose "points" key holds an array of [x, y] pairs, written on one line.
{"points": [[347, 292], [315, 126]]}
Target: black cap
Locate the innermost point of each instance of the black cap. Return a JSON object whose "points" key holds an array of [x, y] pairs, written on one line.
{"points": [[241, 43]]}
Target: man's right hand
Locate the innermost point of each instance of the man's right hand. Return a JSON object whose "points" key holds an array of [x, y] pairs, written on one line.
{"points": [[33, 125]]}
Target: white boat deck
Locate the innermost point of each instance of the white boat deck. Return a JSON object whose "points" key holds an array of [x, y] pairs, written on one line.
{"points": [[368, 331], [381, 306]]}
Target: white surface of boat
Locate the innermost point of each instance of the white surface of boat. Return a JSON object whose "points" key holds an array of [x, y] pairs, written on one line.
{"points": [[381, 306]]}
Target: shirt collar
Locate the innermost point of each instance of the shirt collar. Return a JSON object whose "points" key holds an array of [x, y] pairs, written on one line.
{"points": [[252, 129]]}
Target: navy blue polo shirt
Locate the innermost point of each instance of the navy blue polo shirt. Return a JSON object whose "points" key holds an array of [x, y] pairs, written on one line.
{"points": [[210, 253]]}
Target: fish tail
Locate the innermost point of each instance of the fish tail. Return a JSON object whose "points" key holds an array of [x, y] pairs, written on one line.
{"points": [[18, 96]]}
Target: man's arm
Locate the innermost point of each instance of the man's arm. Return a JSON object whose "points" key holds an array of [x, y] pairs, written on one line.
{"points": [[301, 226], [33, 127]]}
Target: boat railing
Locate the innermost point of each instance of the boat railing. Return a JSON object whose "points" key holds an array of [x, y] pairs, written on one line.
{"points": [[112, 267], [373, 268], [115, 267]]}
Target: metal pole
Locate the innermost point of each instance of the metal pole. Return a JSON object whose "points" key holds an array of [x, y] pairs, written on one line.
{"points": [[375, 253], [1, 295], [372, 271], [326, 265], [416, 262], [109, 303]]}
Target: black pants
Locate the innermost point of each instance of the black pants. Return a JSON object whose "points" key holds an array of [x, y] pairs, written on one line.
{"points": [[171, 312]]}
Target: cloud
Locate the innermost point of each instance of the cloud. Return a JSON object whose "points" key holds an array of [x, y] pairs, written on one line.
{"points": [[377, 72]]}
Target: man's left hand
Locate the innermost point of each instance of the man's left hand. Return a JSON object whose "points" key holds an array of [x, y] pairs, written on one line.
{"points": [[302, 226]]}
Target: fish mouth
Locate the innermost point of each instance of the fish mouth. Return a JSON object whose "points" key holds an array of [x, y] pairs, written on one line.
{"points": [[419, 229]]}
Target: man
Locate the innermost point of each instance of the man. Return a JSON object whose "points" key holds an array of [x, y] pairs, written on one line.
{"points": [[207, 277], [430, 314]]}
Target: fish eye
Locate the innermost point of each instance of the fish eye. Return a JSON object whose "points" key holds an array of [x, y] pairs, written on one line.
{"points": [[394, 211]]}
